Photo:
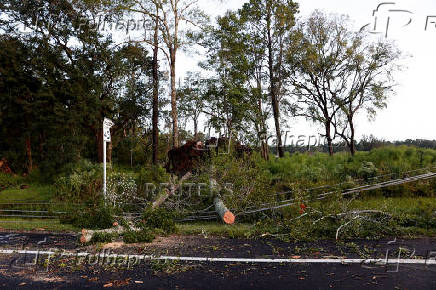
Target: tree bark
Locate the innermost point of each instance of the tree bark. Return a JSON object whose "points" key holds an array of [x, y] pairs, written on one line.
{"points": [[328, 136], [155, 117], [263, 144], [263, 137], [352, 145], [272, 91], [195, 128], [99, 142], [260, 122], [265, 152], [87, 235], [29, 154], [41, 145], [175, 137], [109, 152]]}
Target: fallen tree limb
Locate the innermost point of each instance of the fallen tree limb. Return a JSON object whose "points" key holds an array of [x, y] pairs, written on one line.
{"points": [[344, 225], [354, 219], [370, 211], [170, 192], [351, 213]]}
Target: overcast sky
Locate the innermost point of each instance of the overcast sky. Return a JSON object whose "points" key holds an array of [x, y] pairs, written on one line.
{"points": [[412, 112]]}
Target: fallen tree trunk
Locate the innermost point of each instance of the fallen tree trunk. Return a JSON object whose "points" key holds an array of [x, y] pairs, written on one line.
{"points": [[88, 234], [170, 192], [226, 216]]}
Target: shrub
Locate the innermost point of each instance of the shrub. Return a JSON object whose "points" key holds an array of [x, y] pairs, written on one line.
{"points": [[121, 188], [93, 217], [102, 238], [153, 175], [143, 236], [9, 180], [160, 218], [367, 170], [80, 182]]}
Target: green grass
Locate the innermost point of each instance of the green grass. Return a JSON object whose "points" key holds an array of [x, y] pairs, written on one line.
{"points": [[396, 204], [416, 216], [319, 168], [391, 205], [207, 229], [35, 192], [203, 228], [34, 224]]}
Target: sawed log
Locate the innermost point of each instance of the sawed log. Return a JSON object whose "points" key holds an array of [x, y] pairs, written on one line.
{"points": [[88, 234], [226, 216]]}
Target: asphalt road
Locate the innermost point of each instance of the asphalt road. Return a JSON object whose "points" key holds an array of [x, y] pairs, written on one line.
{"points": [[64, 272]]}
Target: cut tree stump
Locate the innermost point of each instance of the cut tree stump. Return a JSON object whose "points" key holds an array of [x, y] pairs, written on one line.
{"points": [[226, 216]]}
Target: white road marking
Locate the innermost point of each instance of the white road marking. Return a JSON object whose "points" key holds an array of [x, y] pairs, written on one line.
{"points": [[234, 260]]}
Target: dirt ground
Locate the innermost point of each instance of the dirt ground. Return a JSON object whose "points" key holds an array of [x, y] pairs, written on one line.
{"points": [[65, 272]]}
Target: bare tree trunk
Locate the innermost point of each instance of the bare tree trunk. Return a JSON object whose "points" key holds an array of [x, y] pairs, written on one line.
{"points": [[99, 142], [260, 123], [109, 152], [41, 145], [175, 136], [328, 136], [229, 128], [155, 121], [87, 235], [264, 144], [274, 101], [265, 151], [168, 147], [29, 154], [195, 128], [351, 144]]}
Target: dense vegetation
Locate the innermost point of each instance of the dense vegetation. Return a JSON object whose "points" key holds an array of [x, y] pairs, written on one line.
{"points": [[61, 76], [253, 183]]}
